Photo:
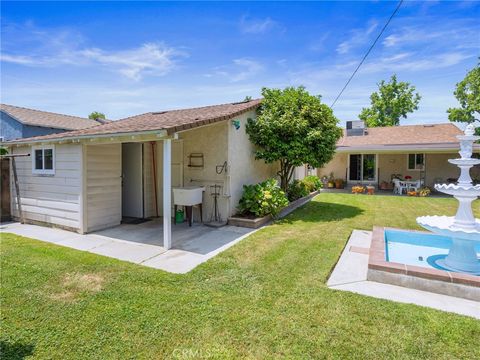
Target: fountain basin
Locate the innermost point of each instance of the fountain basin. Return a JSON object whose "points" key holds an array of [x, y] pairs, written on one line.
{"points": [[409, 259], [445, 225], [459, 190]]}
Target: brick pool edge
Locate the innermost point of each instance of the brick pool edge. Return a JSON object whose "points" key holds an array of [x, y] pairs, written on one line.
{"points": [[434, 280]]}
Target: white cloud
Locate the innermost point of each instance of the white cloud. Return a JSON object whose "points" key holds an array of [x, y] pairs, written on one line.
{"points": [[256, 26], [356, 38], [58, 48], [151, 58], [241, 69]]}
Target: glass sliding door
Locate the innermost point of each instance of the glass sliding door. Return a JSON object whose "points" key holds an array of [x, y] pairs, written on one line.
{"points": [[369, 167], [363, 167]]}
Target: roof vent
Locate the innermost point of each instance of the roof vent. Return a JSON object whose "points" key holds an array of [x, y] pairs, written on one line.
{"points": [[159, 112], [355, 128], [428, 125]]}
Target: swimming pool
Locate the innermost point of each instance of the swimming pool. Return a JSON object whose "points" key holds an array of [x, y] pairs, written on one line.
{"points": [[417, 248]]}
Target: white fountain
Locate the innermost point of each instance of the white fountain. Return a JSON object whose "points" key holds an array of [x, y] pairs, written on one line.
{"points": [[463, 228]]}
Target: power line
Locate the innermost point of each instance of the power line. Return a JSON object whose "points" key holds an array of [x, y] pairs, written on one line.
{"points": [[368, 52]]}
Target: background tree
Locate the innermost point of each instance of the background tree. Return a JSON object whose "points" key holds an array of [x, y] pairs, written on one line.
{"points": [[467, 93], [394, 100], [293, 128], [96, 115]]}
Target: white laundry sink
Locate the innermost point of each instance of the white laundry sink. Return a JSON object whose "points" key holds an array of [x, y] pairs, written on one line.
{"points": [[188, 195]]}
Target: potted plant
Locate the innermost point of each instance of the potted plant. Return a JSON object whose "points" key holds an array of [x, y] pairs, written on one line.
{"points": [[424, 191], [331, 181], [358, 189], [339, 184]]}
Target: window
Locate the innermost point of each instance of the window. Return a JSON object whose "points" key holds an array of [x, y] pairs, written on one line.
{"points": [[43, 160], [362, 167], [416, 162]]}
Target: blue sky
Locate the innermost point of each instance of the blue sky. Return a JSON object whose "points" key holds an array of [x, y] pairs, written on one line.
{"points": [[125, 58]]}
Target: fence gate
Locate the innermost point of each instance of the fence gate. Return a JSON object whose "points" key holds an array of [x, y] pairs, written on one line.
{"points": [[5, 214]]}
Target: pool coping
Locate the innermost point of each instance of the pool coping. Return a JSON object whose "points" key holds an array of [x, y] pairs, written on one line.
{"points": [[377, 261]]}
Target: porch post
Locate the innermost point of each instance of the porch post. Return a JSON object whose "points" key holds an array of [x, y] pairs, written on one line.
{"points": [[167, 191]]}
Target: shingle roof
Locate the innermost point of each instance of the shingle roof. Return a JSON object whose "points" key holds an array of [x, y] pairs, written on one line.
{"points": [[47, 119], [171, 121], [404, 135]]}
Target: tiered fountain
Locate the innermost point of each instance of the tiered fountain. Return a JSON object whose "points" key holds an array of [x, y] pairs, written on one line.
{"points": [[463, 228]]}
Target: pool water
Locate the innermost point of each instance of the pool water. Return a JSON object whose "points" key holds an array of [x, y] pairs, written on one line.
{"points": [[416, 248]]}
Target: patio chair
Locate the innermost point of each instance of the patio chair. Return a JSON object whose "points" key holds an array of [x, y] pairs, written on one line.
{"points": [[399, 187], [416, 186]]}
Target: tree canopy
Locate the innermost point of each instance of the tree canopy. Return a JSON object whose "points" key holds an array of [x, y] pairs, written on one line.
{"points": [[394, 100], [467, 93], [293, 128], [96, 115]]}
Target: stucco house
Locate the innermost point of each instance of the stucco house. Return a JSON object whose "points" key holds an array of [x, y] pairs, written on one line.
{"points": [[19, 122], [86, 180], [375, 155]]}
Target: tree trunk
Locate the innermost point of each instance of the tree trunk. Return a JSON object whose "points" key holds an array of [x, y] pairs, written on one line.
{"points": [[285, 173]]}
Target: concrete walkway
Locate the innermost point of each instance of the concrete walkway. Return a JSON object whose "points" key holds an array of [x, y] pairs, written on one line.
{"points": [[350, 274], [194, 245]]}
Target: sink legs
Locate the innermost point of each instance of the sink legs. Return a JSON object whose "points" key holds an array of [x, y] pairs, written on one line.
{"points": [[189, 214]]}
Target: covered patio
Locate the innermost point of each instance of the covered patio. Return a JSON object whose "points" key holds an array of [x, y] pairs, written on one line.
{"points": [[142, 244]]}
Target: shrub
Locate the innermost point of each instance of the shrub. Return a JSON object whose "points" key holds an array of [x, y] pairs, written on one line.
{"points": [[313, 183], [265, 198], [296, 190]]}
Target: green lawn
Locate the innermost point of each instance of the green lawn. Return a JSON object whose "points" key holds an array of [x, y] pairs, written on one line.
{"points": [[264, 298]]}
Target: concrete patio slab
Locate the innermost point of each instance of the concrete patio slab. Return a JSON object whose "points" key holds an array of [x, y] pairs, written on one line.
{"points": [[141, 244], [350, 274]]}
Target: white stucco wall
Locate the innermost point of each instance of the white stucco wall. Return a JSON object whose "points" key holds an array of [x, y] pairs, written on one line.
{"points": [[53, 199], [212, 142], [338, 166], [244, 169], [438, 169]]}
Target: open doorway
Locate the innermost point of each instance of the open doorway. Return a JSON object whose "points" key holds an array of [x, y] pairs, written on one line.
{"points": [[132, 183]]}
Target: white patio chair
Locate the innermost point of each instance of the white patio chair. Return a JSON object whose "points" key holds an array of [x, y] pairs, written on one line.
{"points": [[415, 186], [399, 187]]}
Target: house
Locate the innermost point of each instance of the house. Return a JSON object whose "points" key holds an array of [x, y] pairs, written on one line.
{"points": [[375, 155], [19, 122], [89, 179]]}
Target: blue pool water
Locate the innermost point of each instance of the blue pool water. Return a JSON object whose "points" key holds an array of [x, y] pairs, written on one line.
{"points": [[415, 248]]}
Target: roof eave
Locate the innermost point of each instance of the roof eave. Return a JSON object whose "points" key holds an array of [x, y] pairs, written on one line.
{"points": [[433, 147], [156, 133]]}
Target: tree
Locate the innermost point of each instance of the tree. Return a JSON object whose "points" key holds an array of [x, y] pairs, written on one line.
{"points": [[394, 100], [96, 115], [293, 128], [467, 93]]}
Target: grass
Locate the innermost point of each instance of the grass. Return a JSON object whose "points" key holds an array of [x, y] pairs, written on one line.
{"points": [[264, 298]]}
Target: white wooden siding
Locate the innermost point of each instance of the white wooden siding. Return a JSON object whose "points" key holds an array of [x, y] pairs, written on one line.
{"points": [[54, 198], [103, 186]]}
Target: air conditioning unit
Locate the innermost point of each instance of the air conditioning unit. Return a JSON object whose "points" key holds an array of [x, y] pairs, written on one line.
{"points": [[355, 128]]}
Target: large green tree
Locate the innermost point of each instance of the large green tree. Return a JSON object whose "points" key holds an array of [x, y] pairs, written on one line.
{"points": [[393, 100], [467, 93], [96, 115], [293, 128]]}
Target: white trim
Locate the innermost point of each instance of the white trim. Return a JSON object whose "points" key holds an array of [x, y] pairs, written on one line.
{"points": [[82, 213], [43, 171], [167, 193]]}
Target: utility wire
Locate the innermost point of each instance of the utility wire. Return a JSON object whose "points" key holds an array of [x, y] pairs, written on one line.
{"points": [[368, 52]]}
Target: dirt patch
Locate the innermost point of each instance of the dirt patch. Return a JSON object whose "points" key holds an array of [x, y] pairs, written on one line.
{"points": [[73, 285]]}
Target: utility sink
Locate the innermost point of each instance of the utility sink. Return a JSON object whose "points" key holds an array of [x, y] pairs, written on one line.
{"points": [[188, 195]]}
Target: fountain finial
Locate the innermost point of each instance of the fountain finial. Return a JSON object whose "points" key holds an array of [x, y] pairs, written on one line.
{"points": [[470, 129]]}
